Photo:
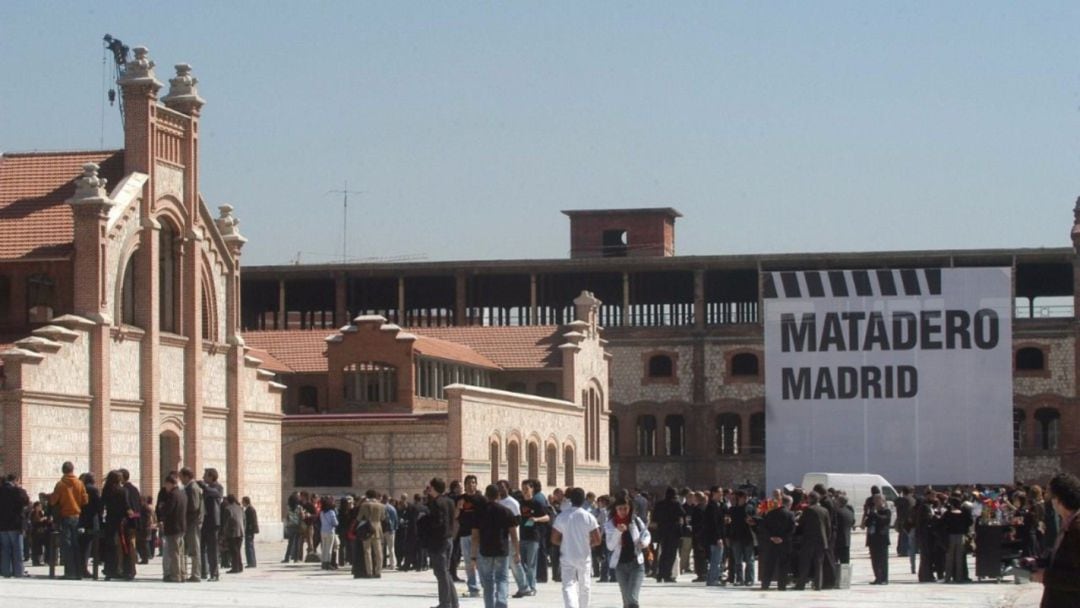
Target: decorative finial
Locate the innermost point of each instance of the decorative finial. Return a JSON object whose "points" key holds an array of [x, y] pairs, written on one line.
{"points": [[227, 226], [140, 71], [90, 188], [183, 96]]}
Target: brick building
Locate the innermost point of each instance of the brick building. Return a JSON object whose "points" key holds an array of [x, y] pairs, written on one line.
{"points": [[373, 405], [684, 334], [119, 311]]}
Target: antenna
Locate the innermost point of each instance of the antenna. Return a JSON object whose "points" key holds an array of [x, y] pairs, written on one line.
{"points": [[345, 192]]}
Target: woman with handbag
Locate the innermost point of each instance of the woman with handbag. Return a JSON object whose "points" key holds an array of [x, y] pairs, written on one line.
{"points": [[627, 537]]}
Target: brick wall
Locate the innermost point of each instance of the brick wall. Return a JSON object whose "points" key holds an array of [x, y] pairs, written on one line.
{"points": [[628, 369]]}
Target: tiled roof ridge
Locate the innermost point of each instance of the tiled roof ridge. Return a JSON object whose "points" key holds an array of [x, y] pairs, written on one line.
{"points": [[24, 154]]}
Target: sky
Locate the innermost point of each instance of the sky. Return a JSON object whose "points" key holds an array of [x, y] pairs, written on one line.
{"points": [[466, 127]]}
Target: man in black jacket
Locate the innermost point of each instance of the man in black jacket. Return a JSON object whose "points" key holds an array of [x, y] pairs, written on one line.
{"points": [[172, 513], [777, 527], [13, 504], [844, 520], [668, 515], [814, 528], [212, 495], [437, 537], [713, 535], [251, 528], [877, 537], [741, 540]]}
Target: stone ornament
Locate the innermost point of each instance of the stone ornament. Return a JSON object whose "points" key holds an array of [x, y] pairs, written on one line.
{"points": [[183, 95], [227, 226], [140, 70], [90, 188]]}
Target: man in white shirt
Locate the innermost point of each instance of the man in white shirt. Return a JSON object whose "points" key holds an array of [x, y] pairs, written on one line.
{"points": [[576, 532]]}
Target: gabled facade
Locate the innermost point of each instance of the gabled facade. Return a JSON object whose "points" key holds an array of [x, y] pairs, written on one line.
{"points": [[384, 407], [119, 310]]}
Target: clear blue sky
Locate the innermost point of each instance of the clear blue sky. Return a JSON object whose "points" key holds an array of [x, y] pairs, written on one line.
{"points": [[773, 127]]}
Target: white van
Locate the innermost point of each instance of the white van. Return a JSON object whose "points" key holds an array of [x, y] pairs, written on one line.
{"points": [[855, 485]]}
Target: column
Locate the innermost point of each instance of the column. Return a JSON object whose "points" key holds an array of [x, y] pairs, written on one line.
{"points": [[699, 299], [460, 286], [341, 306], [282, 317], [533, 318], [625, 298], [401, 301]]}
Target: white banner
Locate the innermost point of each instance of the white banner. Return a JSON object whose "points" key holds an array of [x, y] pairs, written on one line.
{"points": [[903, 373]]}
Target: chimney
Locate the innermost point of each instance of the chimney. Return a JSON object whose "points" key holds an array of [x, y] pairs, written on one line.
{"points": [[645, 232]]}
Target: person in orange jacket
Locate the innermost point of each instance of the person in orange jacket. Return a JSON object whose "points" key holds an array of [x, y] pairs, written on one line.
{"points": [[68, 498]]}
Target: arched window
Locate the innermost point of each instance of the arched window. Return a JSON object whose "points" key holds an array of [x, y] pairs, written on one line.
{"points": [[493, 452], [546, 389], [1047, 423], [127, 291], [727, 434], [1018, 428], [40, 298], [370, 382], [593, 404], [1030, 359], [568, 466], [646, 435], [516, 387], [323, 468], [551, 455], [168, 278], [532, 459], [674, 435], [661, 366], [613, 436], [513, 463], [744, 364], [208, 320], [308, 397], [757, 433]]}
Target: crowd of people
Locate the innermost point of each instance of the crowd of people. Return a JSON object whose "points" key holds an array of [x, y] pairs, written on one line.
{"points": [[724, 537], [118, 528]]}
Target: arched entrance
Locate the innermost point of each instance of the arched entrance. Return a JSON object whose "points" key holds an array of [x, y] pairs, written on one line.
{"points": [[169, 445]]}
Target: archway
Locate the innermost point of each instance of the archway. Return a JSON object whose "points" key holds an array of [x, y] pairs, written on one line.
{"points": [[169, 446]]}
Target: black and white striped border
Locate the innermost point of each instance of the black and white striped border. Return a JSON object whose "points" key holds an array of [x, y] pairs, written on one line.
{"points": [[852, 283]]}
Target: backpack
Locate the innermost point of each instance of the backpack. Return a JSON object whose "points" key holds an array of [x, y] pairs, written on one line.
{"points": [[364, 529]]}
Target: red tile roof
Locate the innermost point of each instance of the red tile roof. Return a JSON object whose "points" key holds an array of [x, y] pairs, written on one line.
{"points": [[35, 222], [450, 351], [534, 347], [302, 351], [269, 362], [527, 347]]}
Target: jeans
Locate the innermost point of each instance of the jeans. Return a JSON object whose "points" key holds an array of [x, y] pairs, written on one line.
{"points": [[716, 564], [11, 553], [742, 558], [470, 567], [329, 544], [912, 548], [629, 577], [494, 578], [69, 546], [576, 582], [529, 550], [440, 565], [249, 550]]}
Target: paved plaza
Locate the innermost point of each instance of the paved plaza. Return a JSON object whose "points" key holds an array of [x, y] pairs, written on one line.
{"points": [[291, 585]]}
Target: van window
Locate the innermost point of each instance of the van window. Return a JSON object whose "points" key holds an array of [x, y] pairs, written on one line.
{"points": [[890, 494]]}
